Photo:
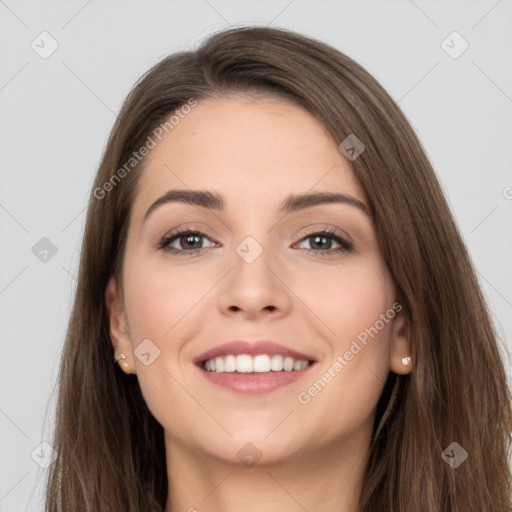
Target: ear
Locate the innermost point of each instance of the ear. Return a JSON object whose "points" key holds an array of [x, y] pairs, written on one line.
{"points": [[400, 346], [118, 326]]}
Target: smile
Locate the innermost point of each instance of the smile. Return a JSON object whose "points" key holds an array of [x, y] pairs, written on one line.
{"points": [[262, 363], [254, 375], [253, 366]]}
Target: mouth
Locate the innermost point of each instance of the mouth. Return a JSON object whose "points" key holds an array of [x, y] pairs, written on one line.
{"points": [[253, 367], [244, 374], [245, 364]]}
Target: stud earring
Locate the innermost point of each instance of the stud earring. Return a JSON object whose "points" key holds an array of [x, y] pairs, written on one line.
{"points": [[123, 364], [406, 361]]}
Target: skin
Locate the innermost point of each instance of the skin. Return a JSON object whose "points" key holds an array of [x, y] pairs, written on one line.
{"points": [[255, 151]]}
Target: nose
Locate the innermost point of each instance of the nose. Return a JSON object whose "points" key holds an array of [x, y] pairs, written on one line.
{"points": [[255, 290]]}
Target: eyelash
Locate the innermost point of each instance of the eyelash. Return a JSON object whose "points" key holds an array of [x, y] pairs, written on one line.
{"points": [[345, 245]]}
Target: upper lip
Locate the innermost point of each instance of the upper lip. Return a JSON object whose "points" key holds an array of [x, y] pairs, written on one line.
{"points": [[252, 348]]}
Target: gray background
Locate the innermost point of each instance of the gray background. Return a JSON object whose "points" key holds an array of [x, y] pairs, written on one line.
{"points": [[56, 113]]}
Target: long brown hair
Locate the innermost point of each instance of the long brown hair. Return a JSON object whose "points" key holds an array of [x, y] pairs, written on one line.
{"points": [[111, 454]]}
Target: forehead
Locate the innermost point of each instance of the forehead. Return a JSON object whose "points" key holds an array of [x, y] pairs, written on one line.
{"points": [[252, 150]]}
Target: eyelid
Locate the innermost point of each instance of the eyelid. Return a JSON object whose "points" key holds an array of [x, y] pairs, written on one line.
{"points": [[312, 229], [345, 242], [163, 243]]}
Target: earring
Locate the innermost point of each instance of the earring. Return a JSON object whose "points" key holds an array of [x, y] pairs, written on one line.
{"points": [[406, 361], [123, 364]]}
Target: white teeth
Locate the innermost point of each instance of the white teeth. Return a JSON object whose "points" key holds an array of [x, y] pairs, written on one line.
{"points": [[243, 363], [299, 365], [263, 363], [230, 364], [276, 363], [219, 364], [288, 364]]}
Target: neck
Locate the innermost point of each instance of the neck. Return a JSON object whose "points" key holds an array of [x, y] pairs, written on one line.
{"points": [[329, 477]]}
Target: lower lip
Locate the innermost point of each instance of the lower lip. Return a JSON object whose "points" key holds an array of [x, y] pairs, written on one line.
{"points": [[254, 383]]}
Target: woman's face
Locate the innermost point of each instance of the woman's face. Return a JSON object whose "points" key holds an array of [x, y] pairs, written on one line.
{"points": [[260, 267]]}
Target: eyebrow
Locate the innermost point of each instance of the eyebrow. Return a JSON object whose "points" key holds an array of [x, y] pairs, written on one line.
{"points": [[293, 203]]}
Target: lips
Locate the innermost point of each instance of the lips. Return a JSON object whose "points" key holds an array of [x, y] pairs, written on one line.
{"points": [[256, 380], [251, 348]]}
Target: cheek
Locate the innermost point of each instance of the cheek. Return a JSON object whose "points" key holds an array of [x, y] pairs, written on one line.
{"points": [[349, 299], [355, 306], [159, 301], [158, 296]]}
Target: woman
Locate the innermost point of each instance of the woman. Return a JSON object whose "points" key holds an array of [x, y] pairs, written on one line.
{"points": [[270, 261]]}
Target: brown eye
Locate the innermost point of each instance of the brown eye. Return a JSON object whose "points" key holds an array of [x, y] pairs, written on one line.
{"points": [[184, 242], [322, 242], [191, 241]]}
